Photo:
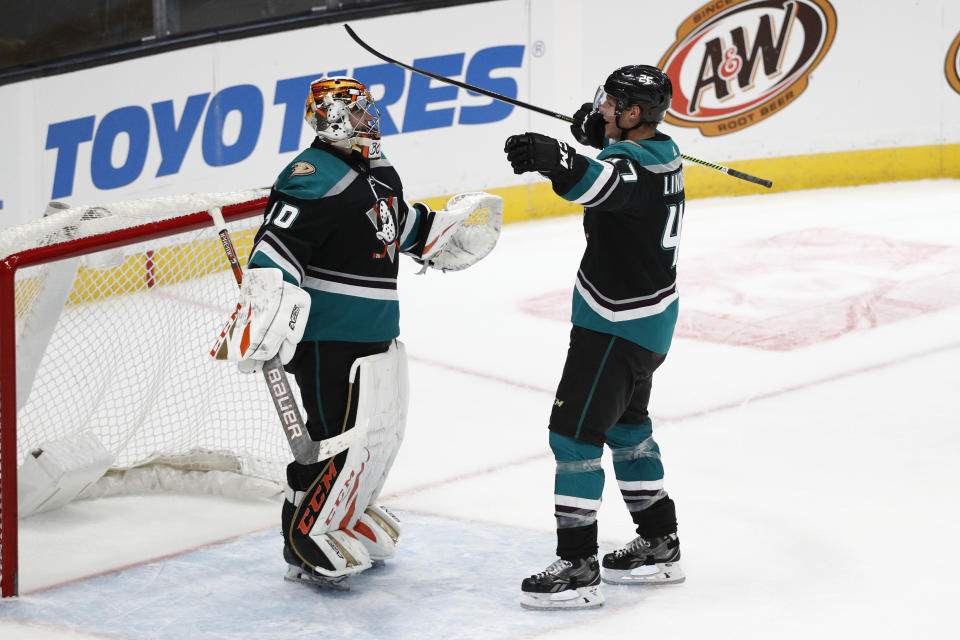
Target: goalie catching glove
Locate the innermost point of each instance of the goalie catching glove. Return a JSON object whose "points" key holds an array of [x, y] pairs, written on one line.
{"points": [[270, 319], [462, 233]]}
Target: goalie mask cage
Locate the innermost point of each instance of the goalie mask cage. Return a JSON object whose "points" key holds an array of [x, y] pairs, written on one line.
{"points": [[107, 318]]}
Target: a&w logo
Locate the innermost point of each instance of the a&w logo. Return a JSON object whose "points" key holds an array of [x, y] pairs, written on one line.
{"points": [[737, 62], [952, 65]]}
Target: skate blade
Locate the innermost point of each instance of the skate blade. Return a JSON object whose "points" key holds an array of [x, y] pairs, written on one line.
{"points": [[298, 575], [582, 598], [653, 574]]}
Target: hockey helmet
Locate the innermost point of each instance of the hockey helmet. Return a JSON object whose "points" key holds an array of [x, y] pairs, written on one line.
{"points": [[638, 84], [342, 111]]}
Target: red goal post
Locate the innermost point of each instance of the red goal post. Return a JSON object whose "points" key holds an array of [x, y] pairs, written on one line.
{"points": [[107, 315]]}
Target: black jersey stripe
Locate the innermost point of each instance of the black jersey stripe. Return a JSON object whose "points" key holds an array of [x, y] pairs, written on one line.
{"points": [[625, 305]]}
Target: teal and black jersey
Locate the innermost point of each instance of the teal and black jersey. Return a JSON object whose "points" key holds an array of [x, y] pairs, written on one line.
{"points": [[335, 224], [633, 201]]}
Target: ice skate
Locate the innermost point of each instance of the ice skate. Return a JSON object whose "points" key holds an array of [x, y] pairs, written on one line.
{"points": [[643, 561], [303, 576], [298, 572], [564, 585]]}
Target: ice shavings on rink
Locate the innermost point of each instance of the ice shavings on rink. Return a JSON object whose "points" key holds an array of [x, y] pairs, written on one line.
{"points": [[451, 580]]}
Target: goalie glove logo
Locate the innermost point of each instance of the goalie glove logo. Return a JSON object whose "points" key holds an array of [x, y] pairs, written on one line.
{"points": [[383, 216]]}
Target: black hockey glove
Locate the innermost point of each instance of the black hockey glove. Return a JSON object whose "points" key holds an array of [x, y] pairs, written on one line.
{"points": [[536, 152], [588, 126]]}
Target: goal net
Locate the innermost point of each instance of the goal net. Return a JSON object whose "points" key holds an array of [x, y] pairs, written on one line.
{"points": [[107, 317]]}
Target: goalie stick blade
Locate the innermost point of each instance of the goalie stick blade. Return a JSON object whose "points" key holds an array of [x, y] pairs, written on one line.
{"points": [[295, 574]]}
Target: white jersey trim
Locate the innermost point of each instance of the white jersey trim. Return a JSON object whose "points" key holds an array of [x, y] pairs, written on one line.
{"points": [[265, 246], [627, 314], [606, 171], [341, 184], [357, 291], [576, 503], [640, 485], [663, 168]]}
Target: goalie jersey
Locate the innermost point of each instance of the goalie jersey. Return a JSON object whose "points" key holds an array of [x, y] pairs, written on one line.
{"points": [[633, 198], [335, 224]]}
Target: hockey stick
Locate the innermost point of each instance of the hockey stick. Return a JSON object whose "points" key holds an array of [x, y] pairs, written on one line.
{"points": [[733, 173], [305, 449]]}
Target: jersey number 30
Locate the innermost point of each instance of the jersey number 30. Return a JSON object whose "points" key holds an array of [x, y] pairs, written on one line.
{"points": [[672, 230]]}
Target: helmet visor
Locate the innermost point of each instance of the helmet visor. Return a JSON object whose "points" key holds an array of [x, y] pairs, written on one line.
{"points": [[599, 98]]}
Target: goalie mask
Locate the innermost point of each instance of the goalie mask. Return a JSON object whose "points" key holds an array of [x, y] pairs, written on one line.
{"points": [[342, 112]]}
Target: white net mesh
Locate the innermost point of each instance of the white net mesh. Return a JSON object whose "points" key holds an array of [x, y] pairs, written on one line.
{"points": [[116, 343]]}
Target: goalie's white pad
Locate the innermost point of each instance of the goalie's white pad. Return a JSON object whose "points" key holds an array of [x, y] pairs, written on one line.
{"points": [[270, 319], [344, 551], [320, 514], [379, 427], [348, 553], [340, 501], [381, 412], [465, 231], [379, 531]]}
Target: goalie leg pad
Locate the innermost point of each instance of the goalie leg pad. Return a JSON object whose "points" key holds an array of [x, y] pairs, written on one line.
{"points": [[383, 392], [311, 519], [336, 557], [331, 528], [378, 529]]}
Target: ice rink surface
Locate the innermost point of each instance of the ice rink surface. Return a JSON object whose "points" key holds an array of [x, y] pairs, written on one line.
{"points": [[803, 414]]}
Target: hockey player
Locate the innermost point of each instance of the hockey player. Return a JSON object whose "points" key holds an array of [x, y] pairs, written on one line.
{"points": [[321, 290], [624, 311]]}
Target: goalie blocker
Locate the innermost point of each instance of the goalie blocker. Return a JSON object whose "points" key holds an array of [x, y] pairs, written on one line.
{"points": [[332, 526], [269, 320]]}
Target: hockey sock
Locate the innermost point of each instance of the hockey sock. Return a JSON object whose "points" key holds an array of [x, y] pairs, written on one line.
{"points": [[577, 542], [659, 519], [578, 488], [637, 465]]}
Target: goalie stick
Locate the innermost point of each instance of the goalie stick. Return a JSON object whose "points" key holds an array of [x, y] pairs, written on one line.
{"points": [[733, 173], [305, 449]]}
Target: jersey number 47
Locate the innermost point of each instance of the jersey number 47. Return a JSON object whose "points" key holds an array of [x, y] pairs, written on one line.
{"points": [[672, 230]]}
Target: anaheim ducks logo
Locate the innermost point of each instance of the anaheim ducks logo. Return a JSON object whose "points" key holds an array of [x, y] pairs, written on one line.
{"points": [[383, 215], [302, 169], [738, 62], [952, 65]]}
